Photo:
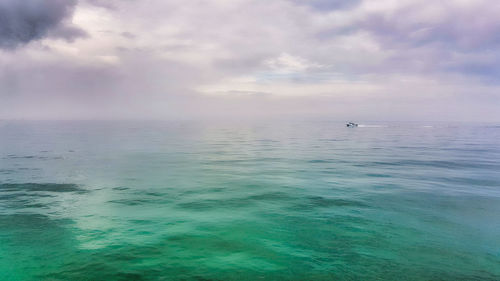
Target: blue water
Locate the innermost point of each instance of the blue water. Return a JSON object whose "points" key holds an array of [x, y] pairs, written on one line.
{"points": [[301, 200]]}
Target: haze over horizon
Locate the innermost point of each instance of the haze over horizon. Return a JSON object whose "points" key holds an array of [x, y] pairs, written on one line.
{"points": [[346, 60]]}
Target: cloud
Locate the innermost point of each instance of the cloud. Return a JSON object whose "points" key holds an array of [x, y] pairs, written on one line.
{"points": [[406, 59], [327, 5], [458, 25], [432, 36], [24, 21], [287, 63]]}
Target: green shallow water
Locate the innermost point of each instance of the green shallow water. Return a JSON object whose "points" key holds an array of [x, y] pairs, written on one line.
{"points": [[248, 201]]}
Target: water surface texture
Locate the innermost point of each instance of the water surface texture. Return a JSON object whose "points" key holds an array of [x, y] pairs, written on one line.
{"points": [[248, 201]]}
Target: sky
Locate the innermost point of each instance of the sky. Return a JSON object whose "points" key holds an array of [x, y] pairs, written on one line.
{"points": [[414, 60]]}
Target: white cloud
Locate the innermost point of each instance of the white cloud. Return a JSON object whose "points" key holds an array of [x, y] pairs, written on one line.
{"points": [[286, 63]]}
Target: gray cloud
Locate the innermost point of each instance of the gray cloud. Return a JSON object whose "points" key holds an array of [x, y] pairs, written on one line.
{"points": [[22, 21], [108, 4], [459, 28], [457, 38], [327, 5]]}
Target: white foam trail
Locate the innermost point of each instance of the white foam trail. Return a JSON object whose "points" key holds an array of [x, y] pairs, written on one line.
{"points": [[373, 126]]}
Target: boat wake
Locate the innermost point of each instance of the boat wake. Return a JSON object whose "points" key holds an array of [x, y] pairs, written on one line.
{"points": [[372, 126]]}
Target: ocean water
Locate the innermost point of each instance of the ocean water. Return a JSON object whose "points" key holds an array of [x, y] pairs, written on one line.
{"points": [[301, 200]]}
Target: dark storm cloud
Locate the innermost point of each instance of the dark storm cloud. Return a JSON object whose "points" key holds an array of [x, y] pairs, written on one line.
{"points": [[22, 21]]}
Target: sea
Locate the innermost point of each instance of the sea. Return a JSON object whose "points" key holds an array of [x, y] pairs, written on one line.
{"points": [[249, 200]]}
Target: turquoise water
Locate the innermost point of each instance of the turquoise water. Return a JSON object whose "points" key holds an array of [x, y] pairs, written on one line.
{"points": [[248, 201]]}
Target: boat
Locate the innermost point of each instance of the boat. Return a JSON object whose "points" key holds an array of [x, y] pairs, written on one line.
{"points": [[351, 125]]}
